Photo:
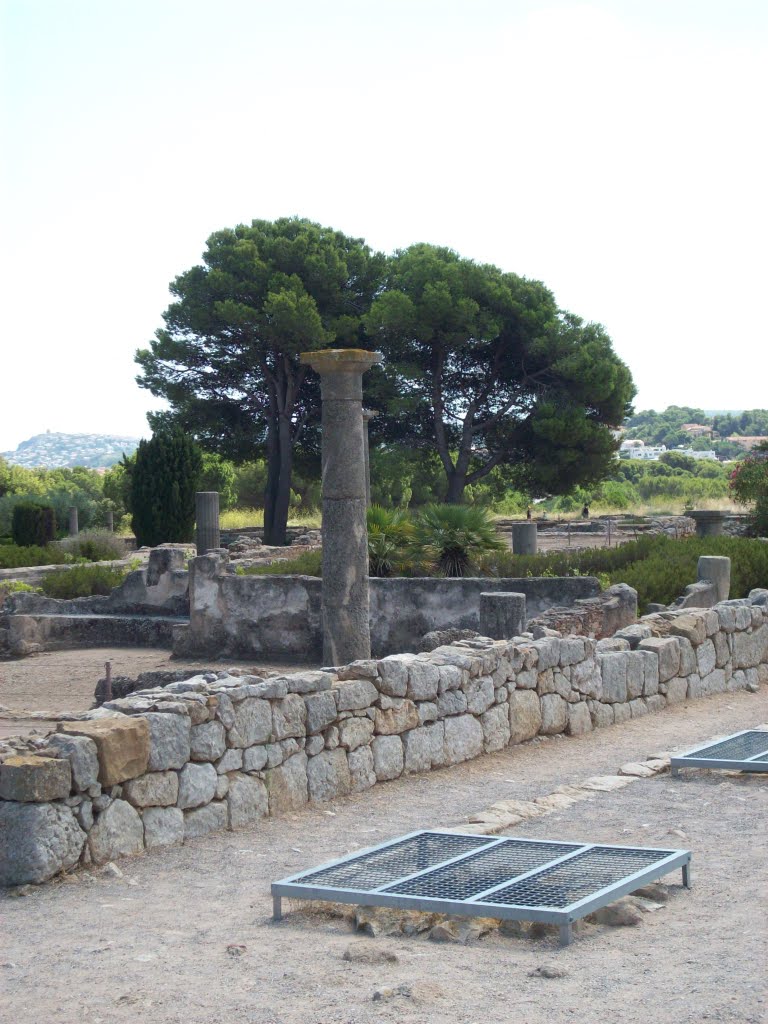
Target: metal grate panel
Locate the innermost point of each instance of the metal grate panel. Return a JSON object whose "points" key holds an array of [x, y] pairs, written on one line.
{"points": [[483, 870], [575, 879], [736, 748], [383, 866]]}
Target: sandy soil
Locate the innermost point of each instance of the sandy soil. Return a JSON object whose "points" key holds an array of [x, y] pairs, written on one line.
{"points": [[152, 946]]}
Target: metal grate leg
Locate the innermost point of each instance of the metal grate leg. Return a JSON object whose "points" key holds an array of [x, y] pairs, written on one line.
{"points": [[566, 934], [277, 908], [687, 876]]}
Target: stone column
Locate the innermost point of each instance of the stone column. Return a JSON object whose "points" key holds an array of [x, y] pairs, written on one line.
{"points": [[708, 523], [368, 415], [346, 622], [109, 521], [207, 536], [502, 614], [524, 538], [73, 527]]}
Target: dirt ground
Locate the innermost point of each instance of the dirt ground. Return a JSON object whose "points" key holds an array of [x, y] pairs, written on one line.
{"points": [[152, 945]]}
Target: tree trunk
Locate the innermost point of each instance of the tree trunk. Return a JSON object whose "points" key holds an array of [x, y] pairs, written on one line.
{"points": [[273, 477], [283, 490], [456, 484]]}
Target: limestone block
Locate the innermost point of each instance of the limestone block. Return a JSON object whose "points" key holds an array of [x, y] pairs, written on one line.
{"points": [[692, 627], [199, 822], [637, 708], [572, 650], [613, 669], [355, 732], [37, 841], [527, 679], [524, 715], [163, 826], [353, 694], [554, 714], [81, 754], [579, 719], [393, 675], [314, 745], [84, 814], [247, 800], [231, 761], [668, 651], [417, 750], [634, 634], [677, 689], [252, 723], [587, 678], [361, 769], [328, 775], [496, 731], [549, 652], [479, 694], [750, 649], [197, 785], [436, 737], [287, 785], [427, 711], [122, 745], [612, 644], [321, 711], [118, 832], [289, 717], [655, 702], [222, 787], [366, 668], [331, 737], [225, 710], [270, 689], [309, 682], [601, 714], [621, 713], [169, 743], [714, 682], [688, 662], [451, 678], [26, 778], [423, 680], [207, 742], [403, 715], [635, 674], [545, 682], [463, 739], [706, 658], [387, 757], [155, 789], [452, 702]]}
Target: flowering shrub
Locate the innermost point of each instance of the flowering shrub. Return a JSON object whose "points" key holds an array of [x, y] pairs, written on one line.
{"points": [[749, 486]]}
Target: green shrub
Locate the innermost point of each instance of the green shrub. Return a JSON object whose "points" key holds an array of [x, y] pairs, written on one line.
{"points": [[163, 484], [309, 563], [33, 525], [13, 557], [82, 581], [94, 545], [453, 537], [390, 535]]}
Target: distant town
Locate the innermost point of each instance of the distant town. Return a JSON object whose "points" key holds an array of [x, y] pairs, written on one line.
{"points": [[55, 451]]}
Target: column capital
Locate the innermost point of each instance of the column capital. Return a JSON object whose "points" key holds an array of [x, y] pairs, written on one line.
{"points": [[340, 360]]}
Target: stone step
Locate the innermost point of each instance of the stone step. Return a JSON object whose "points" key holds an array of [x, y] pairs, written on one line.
{"points": [[29, 634]]}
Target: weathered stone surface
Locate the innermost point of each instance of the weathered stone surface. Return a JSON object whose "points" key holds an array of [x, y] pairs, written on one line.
{"points": [[423, 680], [677, 689], [328, 775], [613, 668], [118, 832], [572, 650], [452, 702], [355, 732], [231, 761], [651, 673], [289, 717], [428, 711], [169, 743], [621, 713], [463, 739], [361, 769], [225, 710], [393, 675], [387, 757], [749, 649], [417, 750], [692, 627], [208, 742], [355, 694], [587, 678], [81, 754], [668, 653], [155, 789], [635, 674], [252, 723], [287, 785], [579, 719], [247, 800], [524, 715], [26, 778], [163, 826], [549, 652], [321, 711], [496, 731], [638, 708], [199, 822], [122, 745], [197, 785], [396, 719], [554, 714], [479, 694], [706, 657], [451, 678], [687, 656], [714, 682], [37, 841], [309, 682], [602, 714], [314, 745]]}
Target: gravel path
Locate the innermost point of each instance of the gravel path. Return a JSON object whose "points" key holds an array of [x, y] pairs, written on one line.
{"points": [[152, 945]]}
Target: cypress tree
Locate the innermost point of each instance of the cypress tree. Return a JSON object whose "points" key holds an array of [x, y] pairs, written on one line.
{"points": [[163, 485]]}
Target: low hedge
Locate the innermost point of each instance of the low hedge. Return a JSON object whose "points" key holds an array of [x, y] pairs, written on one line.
{"points": [[14, 557], [82, 581]]}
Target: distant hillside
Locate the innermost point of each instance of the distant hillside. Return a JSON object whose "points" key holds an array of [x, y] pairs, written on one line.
{"points": [[53, 451]]}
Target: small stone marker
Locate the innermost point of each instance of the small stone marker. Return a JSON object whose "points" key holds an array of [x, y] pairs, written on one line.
{"points": [[502, 615]]}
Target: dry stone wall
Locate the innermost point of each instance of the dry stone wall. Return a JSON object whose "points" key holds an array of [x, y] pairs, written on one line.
{"points": [[171, 763]]}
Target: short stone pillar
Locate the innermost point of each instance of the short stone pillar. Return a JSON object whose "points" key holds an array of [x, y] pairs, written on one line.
{"points": [[109, 521], [73, 527], [502, 615], [708, 523], [346, 615], [368, 415], [524, 538], [716, 569], [207, 534]]}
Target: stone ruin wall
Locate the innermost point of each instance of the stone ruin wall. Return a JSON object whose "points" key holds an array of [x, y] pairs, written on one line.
{"points": [[170, 764]]}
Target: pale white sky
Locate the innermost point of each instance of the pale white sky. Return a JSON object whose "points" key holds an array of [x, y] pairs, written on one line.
{"points": [[614, 149]]}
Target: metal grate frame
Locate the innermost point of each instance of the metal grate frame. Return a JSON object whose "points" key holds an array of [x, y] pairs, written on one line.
{"points": [[745, 751], [474, 876]]}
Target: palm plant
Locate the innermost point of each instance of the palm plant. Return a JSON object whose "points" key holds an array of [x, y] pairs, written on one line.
{"points": [[390, 534], [454, 536]]}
